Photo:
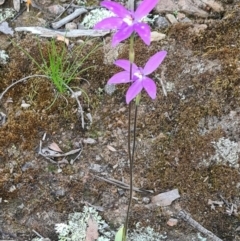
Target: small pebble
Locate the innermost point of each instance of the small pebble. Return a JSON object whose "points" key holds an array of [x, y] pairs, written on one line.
{"points": [[146, 200], [186, 20], [171, 18], [172, 222], [27, 166], [162, 22], [120, 192], [181, 16], [96, 167], [80, 26], [70, 26], [56, 9], [60, 193], [12, 188], [21, 206], [98, 158]]}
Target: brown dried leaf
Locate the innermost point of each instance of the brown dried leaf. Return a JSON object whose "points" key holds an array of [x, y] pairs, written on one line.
{"points": [[92, 230], [54, 146], [111, 148], [63, 39]]}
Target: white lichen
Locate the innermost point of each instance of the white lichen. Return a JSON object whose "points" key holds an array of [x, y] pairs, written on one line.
{"points": [[95, 16], [6, 13], [200, 238], [77, 225], [109, 88], [3, 57], [150, 19], [226, 152], [145, 234]]}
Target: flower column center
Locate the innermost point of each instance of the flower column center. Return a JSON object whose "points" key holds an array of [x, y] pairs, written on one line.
{"points": [[139, 75], [128, 20]]}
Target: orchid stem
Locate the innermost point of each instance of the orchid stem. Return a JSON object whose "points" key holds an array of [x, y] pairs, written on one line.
{"points": [[130, 152]]}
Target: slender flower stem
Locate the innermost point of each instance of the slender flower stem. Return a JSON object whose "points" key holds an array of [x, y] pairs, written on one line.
{"points": [[130, 152]]}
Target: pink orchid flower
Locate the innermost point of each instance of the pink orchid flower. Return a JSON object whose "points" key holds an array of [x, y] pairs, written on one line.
{"points": [[127, 22], [139, 80]]}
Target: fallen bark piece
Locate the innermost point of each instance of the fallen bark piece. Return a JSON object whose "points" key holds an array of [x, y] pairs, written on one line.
{"points": [[16, 5], [45, 32], [165, 199]]}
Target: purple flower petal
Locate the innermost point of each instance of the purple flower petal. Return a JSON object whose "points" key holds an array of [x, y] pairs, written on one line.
{"points": [[144, 9], [125, 64], [154, 62], [150, 87], [109, 23], [121, 77], [121, 35], [144, 32], [116, 8], [133, 90]]}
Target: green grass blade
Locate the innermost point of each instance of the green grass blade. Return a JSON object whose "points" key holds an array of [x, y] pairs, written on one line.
{"points": [[120, 236]]}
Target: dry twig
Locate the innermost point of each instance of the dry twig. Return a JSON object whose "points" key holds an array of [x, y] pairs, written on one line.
{"points": [[187, 218], [69, 5], [80, 109], [69, 18], [122, 184]]}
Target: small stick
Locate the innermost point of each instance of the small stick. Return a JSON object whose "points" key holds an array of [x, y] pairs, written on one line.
{"points": [[187, 218], [79, 154], [69, 5], [69, 18], [38, 234], [121, 184], [225, 201], [80, 109]]}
